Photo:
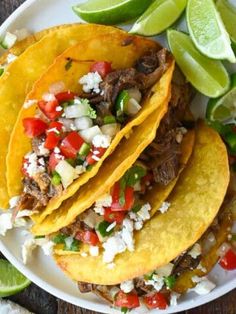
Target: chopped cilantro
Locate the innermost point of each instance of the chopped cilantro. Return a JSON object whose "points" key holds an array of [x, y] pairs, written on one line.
{"points": [[71, 161], [74, 247], [59, 238], [124, 310], [170, 281], [89, 167], [136, 208], [149, 276], [68, 65], [109, 119], [102, 228], [92, 113]]}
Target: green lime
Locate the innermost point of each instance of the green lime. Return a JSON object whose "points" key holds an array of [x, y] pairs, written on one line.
{"points": [[228, 15], [158, 17], [223, 109], [208, 76], [11, 280], [111, 11], [207, 30]]}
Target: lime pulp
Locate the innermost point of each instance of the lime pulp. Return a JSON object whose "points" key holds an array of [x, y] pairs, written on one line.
{"points": [[158, 17], [11, 280], [223, 109], [111, 12], [208, 76], [207, 30], [228, 15]]}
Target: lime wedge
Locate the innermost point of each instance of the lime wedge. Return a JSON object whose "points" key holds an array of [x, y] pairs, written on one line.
{"points": [[208, 31], [158, 17], [228, 15], [223, 109], [11, 280], [206, 75], [111, 11]]}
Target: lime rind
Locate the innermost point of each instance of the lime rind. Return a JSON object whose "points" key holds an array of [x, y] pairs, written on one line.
{"points": [[110, 12], [228, 15], [152, 22], [223, 109], [206, 75], [11, 280], [207, 30]]}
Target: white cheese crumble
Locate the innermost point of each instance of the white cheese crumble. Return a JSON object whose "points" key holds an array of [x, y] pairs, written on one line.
{"points": [[157, 282], [173, 298], [27, 249], [29, 103], [104, 201], [48, 97], [57, 150], [195, 251], [164, 207], [94, 250], [204, 286], [165, 271], [101, 140], [127, 286], [5, 223], [43, 151], [46, 245], [11, 57], [91, 82], [14, 201], [59, 108], [141, 216], [113, 246], [31, 166]]}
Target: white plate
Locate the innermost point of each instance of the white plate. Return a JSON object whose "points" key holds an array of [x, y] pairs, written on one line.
{"points": [[36, 15]]}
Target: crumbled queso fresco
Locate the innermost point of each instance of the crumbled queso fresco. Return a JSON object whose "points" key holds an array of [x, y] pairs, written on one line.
{"points": [[91, 82]]}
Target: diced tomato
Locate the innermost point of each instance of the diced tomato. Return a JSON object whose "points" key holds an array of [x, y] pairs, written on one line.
{"points": [[102, 67], [129, 198], [71, 145], [111, 216], [54, 160], [155, 301], [49, 108], [65, 96], [147, 179], [128, 300], [100, 152], [34, 127], [53, 135], [88, 237], [228, 262]]}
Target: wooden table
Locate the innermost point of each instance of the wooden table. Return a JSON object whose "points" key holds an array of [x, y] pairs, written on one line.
{"points": [[40, 302]]}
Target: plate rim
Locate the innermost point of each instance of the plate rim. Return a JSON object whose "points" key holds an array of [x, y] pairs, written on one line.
{"points": [[188, 304]]}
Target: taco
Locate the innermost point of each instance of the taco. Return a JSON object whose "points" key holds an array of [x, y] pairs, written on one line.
{"points": [[170, 252], [33, 62], [79, 111]]}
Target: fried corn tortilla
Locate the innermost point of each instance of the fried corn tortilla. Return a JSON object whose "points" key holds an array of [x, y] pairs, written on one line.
{"points": [[111, 171], [195, 202], [159, 193], [109, 48], [32, 63]]}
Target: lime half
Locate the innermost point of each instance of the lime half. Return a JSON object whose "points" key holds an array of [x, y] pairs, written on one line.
{"points": [[228, 15], [207, 30], [111, 11], [223, 109], [208, 76], [11, 280], [158, 17]]}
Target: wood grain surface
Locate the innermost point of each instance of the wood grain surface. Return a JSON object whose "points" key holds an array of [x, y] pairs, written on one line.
{"points": [[40, 302]]}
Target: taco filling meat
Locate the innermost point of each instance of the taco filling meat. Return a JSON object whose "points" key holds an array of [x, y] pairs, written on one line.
{"points": [[110, 223], [69, 134]]}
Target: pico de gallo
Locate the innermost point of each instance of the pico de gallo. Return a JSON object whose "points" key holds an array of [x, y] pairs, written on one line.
{"points": [[70, 133]]}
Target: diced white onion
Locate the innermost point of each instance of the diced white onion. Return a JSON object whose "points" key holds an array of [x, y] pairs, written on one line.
{"points": [[22, 33], [91, 219], [77, 111], [48, 97], [68, 124], [223, 249], [135, 93], [66, 172], [133, 107], [9, 40], [83, 123], [57, 87], [90, 133], [110, 129], [209, 242]]}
